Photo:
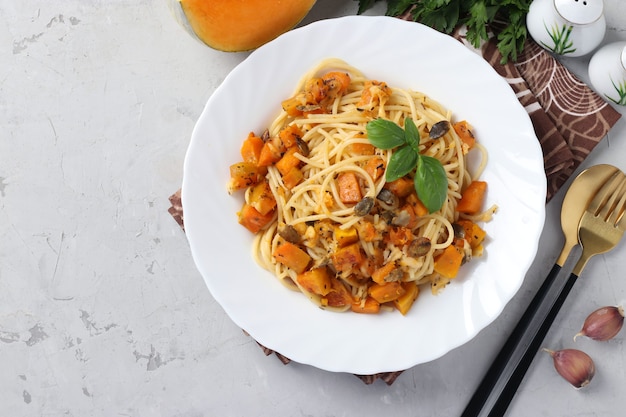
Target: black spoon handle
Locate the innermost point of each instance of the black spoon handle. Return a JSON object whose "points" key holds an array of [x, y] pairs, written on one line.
{"points": [[500, 383]]}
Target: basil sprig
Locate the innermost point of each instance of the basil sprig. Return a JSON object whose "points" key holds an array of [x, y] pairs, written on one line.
{"points": [[430, 180]]}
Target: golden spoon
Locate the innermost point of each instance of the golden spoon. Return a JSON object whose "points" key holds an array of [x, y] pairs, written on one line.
{"points": [[578, 197], [488, 399]]}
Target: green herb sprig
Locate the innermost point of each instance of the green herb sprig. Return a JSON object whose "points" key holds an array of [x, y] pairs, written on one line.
{"points": [[445, 15], [430, 180]]}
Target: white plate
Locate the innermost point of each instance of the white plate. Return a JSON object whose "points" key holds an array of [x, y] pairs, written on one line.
{"points": [[404, 54]]}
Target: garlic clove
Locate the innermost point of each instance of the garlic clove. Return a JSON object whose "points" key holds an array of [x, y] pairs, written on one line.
{"points": [[603, 324], [575, 366]]}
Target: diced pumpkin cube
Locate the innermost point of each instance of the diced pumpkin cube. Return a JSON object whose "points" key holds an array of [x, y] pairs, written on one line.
{"points": [[447, 263], [366, 306], [384, 293], [339, 295], [472, 198], [292, 106], [418, 207], [361, 149], [349, 188], [375, 167], [347, 258], [315, 90], [243, 175], [316, 280], [401, 187], [293, 177], [367, 231], [270, 154], [474, 234], [251, 148], [383, 272], [400, 236], [345, 237], [251, 219], [290, 135], [261, 198], [336, 82], [464, 131], [406, 300], [292, 256], [288, 161]]}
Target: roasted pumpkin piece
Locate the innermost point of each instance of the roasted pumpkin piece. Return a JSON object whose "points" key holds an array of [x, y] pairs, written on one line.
{"points": [[366, 306], [293, 177], [400, 236], [317, 281], [293, 106], [314, 90], [380, 274], [373, 93], [243, 175], [472, 198], [401, 187], [361, 149], [349, 188], [473, 233], [290, 135], [251, 219], [447, 263], [418, 207], [384, 293], [375, 167], [292, 256], [345, 237], [406, 300], [347, 258], [464, 131], [251, 148], [339, 295], [336, 82], [270, 154], [288, 161], [261, 198], [367, 231]]}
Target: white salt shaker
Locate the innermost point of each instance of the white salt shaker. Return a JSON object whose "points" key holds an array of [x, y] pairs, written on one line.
{"points": [[567, 27], [607, 72]]}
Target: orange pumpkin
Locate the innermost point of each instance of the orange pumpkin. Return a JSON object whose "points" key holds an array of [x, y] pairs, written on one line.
{"points": [[242, 25]]}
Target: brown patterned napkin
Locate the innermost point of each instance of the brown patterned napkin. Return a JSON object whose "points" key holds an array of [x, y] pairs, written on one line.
{"points": [[569, 120]]}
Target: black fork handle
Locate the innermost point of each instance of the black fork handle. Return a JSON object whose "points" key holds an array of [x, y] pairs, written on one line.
{"points": [[500, 383]]}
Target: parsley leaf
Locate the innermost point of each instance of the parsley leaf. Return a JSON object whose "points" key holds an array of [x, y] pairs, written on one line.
{"points": [[397, 7], [507, 18]]}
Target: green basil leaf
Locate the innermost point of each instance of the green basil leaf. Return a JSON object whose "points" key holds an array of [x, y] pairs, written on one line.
{"points": [[402, 162], [431, 183], [385, 134], [411, 134]]}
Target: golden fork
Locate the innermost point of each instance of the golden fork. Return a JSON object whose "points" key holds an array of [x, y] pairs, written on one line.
{"points": [[602, 225], [600, 229]]}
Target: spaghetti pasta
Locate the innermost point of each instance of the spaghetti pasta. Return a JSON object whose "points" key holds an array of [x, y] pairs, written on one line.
{"points": [[327, 221]]}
